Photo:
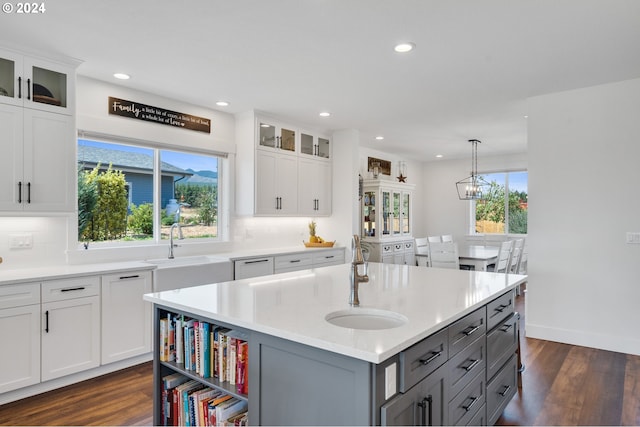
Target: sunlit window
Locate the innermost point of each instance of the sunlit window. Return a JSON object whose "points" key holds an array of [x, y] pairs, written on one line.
{"points": [[119, 185], [504, 208]]}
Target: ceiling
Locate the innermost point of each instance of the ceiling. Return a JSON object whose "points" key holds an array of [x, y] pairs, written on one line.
{"points": [[475, 62]]}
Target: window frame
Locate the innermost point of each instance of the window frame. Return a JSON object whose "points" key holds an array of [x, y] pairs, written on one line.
{"points": [[472, 205], [157, 148]]}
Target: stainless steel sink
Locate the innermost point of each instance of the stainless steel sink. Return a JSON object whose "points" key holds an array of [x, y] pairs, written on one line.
{"points": [[366, 318]]}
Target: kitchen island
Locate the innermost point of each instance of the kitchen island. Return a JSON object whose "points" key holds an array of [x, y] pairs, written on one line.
{"points": [[304, 370]]}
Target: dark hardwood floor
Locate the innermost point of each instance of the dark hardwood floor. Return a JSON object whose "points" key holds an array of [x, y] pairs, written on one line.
{"points": [[562, 385]]}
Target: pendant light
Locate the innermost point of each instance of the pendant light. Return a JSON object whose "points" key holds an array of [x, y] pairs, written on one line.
{"points": [[473, 187]]}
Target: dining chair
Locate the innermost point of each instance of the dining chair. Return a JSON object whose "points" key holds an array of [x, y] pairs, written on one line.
{"points": [[503, 259], [422, 247], [447, 238], [444, 255], [516, 256], [434, 239]]}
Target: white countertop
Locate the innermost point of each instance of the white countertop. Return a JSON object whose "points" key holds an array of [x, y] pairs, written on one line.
{"points": [[293, 306], [22, 275]]}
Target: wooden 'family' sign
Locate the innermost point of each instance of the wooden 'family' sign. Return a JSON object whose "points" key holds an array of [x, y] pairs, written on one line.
{"points": [[148, 113]]}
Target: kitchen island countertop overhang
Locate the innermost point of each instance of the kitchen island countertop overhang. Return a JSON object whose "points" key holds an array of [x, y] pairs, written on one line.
{"points": [[293, 306]]}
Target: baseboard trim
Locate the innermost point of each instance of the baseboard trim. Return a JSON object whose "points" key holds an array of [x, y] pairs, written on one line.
{"points": [[12, 396]]}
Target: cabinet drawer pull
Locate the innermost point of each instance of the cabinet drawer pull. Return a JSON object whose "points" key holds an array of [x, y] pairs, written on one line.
{"points": [[329, 256], [473, 364], [295, 260], [28, 192], [257, 261], [135, 276], [29, 89], [501, 307], [19, 87], [505, 328], [427, 415], [434, 355], [468, 407], [470, 330], [505, 391], [46, 324], [79, 288], [20, 192]]}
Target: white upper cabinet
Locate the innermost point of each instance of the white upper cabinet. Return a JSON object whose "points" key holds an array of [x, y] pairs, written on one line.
{"points": [[37, 127], [31, 82], [292, 168]]}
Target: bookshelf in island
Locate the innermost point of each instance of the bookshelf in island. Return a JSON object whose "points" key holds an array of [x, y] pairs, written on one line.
{"points": [[260, 351]]}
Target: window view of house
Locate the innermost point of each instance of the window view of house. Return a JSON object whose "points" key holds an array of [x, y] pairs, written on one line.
{"points": [[117, 194], [504, 208]]}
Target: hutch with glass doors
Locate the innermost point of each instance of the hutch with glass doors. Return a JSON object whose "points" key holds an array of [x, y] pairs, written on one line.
{"points": [[387, 221]]}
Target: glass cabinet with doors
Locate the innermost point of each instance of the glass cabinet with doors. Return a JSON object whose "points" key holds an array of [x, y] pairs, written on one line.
{"points": [[314, 145], [36, 83], [275, 136], [386, 220]]}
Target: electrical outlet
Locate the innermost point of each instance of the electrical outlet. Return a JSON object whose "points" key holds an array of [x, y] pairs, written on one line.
{"points": [[21, 241], [633, 238], [390, 381]]}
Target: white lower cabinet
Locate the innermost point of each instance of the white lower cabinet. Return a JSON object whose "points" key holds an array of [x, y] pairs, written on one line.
{"points": [[126, 317], [20, 336], [70, 326]]}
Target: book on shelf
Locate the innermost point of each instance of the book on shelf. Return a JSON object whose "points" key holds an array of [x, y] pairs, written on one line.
{"points": [[179, 340], [229, 409], [242, 365], [171, 337], [181, 396], [170, 382], [163, 341]]}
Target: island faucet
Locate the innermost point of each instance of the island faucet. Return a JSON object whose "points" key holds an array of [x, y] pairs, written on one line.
{"points": [[180, 236], [356, 278]]}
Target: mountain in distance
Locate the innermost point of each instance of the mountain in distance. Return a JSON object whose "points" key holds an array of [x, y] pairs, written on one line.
{"points": [[203, 177]]}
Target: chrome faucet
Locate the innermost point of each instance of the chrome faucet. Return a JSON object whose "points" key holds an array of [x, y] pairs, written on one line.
{"points": [[356, 278], [180, 236]]}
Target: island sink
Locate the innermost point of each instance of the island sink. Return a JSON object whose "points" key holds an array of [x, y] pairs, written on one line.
{"points": [[366, 319]]}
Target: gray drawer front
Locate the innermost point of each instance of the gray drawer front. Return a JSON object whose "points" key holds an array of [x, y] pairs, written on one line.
{"points": [[501, 390], [500, 308], [422, 358], [480, 418], [466, 365], [502, 342], [465, 405], [466, 330]]}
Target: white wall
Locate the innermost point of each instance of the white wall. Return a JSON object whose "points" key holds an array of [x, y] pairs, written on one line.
{"points": [[584, 283], [443, 212]]}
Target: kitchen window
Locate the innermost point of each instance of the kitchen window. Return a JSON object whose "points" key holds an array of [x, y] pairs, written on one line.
{"points": [[504, 208], [134, 193]]}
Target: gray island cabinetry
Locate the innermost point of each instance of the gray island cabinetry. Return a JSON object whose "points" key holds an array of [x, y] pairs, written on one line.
{"points": [[451, 362]]}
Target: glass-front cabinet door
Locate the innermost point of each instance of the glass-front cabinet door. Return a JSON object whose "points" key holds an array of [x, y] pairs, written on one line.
{"points": [[369, 225], [274, 136], [10, 71], [406, 212], [35, 83], [386, 213], [396, 214], [315, 146]]}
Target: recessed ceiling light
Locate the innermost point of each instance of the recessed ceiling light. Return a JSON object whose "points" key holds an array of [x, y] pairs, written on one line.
{"points": [[122, 76], [404, 47], [325, 114], [222, 103], [380, 138], [439, 156]]}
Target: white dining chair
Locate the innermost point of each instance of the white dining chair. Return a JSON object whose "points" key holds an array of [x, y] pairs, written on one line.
{"points": [[516, 256], [434, 239], [503, 259], [447, 238], [444, 255], [422, 248]]}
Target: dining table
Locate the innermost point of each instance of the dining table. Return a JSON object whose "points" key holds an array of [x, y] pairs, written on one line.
{"points": [[478, 257], [475, 256]]}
